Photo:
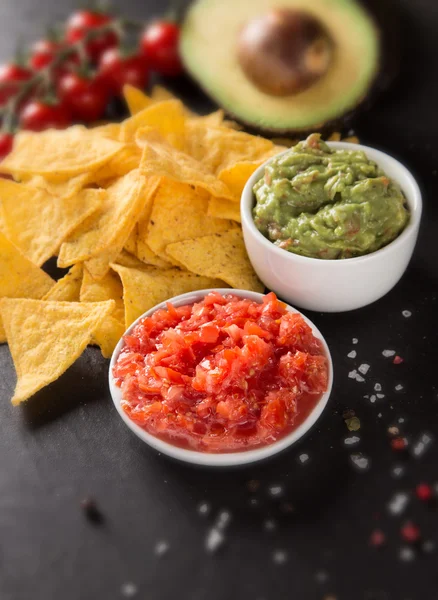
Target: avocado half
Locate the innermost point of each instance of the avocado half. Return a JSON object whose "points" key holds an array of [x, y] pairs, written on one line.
{"points": [[209, 48]]}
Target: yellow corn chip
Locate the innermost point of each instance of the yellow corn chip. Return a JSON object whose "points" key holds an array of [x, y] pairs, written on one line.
{"points": [[161, 159], [135, 99], [59, 154], [19, 277], [131, 242], [166, 118], [122, 163], [224, 209], [221, 255], [143, 289], [45, 338], [38, 223], [125, 259], [112, 224], [236, 176], [179, 212], [68, 288], [62, 189], [214, 119], [109, 130], [148, 256]]}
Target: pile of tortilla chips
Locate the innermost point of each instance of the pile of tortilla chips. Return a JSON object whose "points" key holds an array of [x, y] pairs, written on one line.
{"points": [[137, 211]]}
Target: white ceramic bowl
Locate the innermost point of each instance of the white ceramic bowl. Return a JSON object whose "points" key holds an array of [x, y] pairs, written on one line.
{"points": [[205, 458], [334, 285]]}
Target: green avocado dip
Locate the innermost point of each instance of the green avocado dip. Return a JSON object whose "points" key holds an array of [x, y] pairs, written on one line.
{"points": [[325, 203]]}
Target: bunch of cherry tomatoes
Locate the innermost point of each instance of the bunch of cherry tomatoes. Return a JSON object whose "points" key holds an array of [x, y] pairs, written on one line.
{"points": [[72, 79]]}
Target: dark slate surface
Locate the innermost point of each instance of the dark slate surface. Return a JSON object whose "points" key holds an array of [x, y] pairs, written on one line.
{"points": [[68, 442]]}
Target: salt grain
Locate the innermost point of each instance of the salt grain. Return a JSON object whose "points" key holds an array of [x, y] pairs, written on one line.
{"points": [[380, 396], [352, 440], [360, 461], [303, 458], [161, 548], [279, 557], [223, 519], [388, 353], [276, 490], [373, 398], [354, 340], [398, 503], [270, 525], [380, 415], [406, 313], [352, 374], [406, 554], [204, 508], [422, 445], [128, 589], [215, 539], [352, 354], [377, 387], [397, 471], [364, 368], [398, 387]]}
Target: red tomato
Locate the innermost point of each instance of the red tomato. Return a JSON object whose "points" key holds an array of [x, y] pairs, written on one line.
{"points": [[116, 71], [11, 76], [6, 141], [86, 98], [42, 54], [38, 115], [84, 21], [159, 42]]}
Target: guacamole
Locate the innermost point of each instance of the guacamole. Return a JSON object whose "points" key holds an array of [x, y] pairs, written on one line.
{"points": [[325, 203]]}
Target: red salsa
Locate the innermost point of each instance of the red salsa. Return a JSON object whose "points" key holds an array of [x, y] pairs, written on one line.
{"points": [[221, 375]]}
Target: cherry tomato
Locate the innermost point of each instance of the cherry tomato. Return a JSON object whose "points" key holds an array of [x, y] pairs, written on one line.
{"points": [[11, 76], [86, 98], [38, 115], [115, 70], [84, 21], [6, 141], [42, 53], [159, 43]]}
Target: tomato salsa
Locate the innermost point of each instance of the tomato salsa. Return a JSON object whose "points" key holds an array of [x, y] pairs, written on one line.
{"points": [[221, 375]]}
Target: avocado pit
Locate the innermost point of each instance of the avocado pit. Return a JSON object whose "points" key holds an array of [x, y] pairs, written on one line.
{"points": [[284, 51]]}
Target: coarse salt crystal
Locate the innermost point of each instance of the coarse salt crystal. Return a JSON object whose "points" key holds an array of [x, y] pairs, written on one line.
{"points": [[223, 519], [351, 440], [161, 548], [373, 398], [279, 557], [398, 387], [352, 374], [128, 589], [388, 353], [215, 539], [352, 354], [303, 458], [354, 340], [276, 490], [364, 368], [398, 503], [377, 387], [422, 445], [380, 396], [406, 554], [360, 461], [406, 313], [397, 471], [204, 508]]}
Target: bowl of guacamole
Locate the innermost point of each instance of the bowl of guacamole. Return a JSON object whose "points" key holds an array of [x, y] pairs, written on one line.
{"points": [[328, 203], [330, 226]]}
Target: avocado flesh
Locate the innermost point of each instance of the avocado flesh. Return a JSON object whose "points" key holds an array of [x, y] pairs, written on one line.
{"points": [[208, 48]]}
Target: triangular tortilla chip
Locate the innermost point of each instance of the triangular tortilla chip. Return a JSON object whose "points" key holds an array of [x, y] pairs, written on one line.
{"points": [[68, 288], [143, 289], [62, 189], [166, 118], [221, 255], [224, 209], [179, 212], [19, 277], [38, 223], [45, 338], [111, 225], [135, 99], [59, 154]]}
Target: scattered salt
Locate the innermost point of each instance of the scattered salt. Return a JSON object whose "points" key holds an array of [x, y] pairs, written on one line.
{"points": [[388, 353], [398, 503], [373, 398], [380, 396], [204, 508], [366, 396], [223, 519], [303, 458], [380, 415], [398, 387], [352, 354], [270, 525], [360, 461], [128, 589], [354, 340], [406, 554], [401, 420], [406, 313], [397, 471], [276, 490], [253, 502], [161, 548], [353, 439], [215, 539], [359, 378], [422, 445], [352, 374], [377, 387], [364, 368], [279, 557]]}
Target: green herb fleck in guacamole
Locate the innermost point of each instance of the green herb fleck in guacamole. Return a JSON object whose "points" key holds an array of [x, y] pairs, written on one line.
{"points": [[325, 203]]}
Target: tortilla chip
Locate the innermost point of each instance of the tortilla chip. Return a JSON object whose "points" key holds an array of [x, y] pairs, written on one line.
{"points": [[166, 118], [38, 223], [143, 289], [222, 255], [110, 227], [224, 209], [62, 189], [123, 162], [218, 148], [58, 154], [109, 130], [19, 277], [159, 158], [214, 119], [45, 338], [68, 288], [148, 256], [109, 288], [179, 212], [236, 176], [125, 259], [131, 242], [135, 99]]}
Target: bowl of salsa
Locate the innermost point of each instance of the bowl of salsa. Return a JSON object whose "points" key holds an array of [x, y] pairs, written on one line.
{"points": [[221, 377]]}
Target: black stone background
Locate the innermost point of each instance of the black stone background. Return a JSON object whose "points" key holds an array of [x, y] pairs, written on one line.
{"points": [[68, 442]]}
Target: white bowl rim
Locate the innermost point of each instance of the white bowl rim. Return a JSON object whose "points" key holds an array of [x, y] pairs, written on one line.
{"points": [[415, 208], [231, 458]]}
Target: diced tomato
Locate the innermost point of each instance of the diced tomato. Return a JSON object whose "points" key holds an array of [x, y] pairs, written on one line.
{"points": [[223, 374]]}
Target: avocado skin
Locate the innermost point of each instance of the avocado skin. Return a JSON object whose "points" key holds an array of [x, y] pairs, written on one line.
{"points": [[387, 20]]}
